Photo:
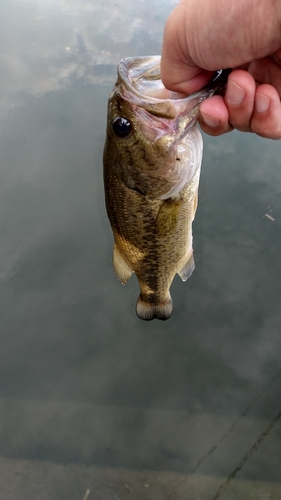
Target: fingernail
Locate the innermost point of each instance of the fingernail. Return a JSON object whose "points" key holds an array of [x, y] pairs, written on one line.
{"points": [[234, 93], [261, 103], [210, 121]]}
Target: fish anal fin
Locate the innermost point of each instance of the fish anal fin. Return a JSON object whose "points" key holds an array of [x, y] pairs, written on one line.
{"points": [[122, 270], [187, 269], [147, 310]]}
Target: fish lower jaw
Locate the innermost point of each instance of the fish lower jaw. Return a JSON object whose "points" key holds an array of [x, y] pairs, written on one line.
{"points": [[148, 309]]}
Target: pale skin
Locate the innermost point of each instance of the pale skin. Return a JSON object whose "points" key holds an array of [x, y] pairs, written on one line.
{"points": [[202, 36]]}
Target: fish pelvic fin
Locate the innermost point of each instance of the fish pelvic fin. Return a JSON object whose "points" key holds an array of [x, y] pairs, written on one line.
{"points": [[122, 270], [187, 269], [147, 309]]}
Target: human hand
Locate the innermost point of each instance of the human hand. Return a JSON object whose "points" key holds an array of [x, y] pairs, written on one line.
{"points": [[245, 35]]}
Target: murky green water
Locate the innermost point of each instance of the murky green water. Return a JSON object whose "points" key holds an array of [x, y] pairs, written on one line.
{"points": [[91, 397]]}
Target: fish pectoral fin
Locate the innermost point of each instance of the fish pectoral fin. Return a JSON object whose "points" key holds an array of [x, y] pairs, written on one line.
{"points": [[187, 269], [168, 216], [122, 270]]}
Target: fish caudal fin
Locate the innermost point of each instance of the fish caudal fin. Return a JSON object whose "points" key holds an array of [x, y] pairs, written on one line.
{"points": [[147, 310], [122, 270], [187, 269]]}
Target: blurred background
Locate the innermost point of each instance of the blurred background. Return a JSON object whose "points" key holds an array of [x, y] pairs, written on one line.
{"points": [[93, 401]]}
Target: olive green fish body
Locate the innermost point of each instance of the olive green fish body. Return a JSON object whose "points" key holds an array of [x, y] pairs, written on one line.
{"points": [[152, 160]]}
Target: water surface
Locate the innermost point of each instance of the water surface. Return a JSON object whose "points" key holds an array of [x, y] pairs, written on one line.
{"points": [[92, 397]]}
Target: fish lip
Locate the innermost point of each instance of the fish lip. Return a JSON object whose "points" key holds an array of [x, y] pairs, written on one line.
{"points": [[131, 69], [135, 73]]}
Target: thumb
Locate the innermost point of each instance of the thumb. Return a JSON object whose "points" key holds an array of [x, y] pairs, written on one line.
{"points": [[178, 71]]}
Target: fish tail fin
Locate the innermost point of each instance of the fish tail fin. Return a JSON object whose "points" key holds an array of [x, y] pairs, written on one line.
{"points": [[148, 310]]}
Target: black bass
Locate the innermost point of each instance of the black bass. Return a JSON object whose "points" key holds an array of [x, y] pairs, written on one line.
{"points": [[152, 160]]}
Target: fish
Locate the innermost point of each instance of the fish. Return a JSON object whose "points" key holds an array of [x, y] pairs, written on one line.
{"points": [[151, 166]]}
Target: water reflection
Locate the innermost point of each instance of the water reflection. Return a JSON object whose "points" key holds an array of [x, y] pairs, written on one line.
{"points": [[46, 45], [175, 406]]}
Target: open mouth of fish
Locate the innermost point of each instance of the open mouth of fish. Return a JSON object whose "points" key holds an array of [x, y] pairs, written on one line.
{"points": [[140, 77]]}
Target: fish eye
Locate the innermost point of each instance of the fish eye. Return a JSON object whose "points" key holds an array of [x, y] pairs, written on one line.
{"points": [[121, 126]]}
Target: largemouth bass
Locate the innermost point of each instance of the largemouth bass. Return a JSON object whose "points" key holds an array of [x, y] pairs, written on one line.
{"points": [[152, 160]]}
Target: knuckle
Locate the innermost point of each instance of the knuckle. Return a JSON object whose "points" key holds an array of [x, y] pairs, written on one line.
{"points": [[241, 119], [269, 127]]}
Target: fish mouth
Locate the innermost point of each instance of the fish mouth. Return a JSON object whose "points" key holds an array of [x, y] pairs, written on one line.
{"points": [[158, 108]]}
